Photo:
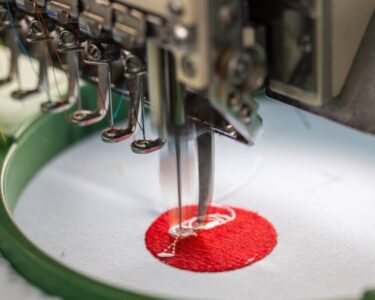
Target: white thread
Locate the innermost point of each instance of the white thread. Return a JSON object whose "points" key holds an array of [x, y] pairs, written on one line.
{"points": [[166, 253], [191, 226]]}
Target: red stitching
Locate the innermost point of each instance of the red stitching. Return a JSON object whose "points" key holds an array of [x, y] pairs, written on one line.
{"points": [[236, 244]]}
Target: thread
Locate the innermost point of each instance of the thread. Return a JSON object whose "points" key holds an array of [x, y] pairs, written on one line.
{"points": [[118, 107], [142, 110]]}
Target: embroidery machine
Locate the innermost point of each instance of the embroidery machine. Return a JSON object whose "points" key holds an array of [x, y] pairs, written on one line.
{"points": [[197, 64]]}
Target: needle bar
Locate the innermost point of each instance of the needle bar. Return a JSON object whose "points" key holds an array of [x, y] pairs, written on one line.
{"points": [[205, 144]]}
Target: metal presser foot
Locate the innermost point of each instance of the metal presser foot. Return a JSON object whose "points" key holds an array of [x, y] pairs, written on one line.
{"points": [[11, 41], [145, 146], [39, 36], [100, 55], [24, 94], [134, 72], [70, 46]]}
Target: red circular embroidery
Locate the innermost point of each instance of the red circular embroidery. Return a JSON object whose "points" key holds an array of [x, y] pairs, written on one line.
{"points": [[236, 244]]}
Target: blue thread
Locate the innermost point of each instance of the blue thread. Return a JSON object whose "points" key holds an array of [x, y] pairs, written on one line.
{"points": [[51, 13], [118, 107]]}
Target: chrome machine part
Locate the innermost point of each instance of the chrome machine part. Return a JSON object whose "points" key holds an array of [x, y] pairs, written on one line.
{"points": [[39, 34], [99, 55], [66, 13], [201, 51], [69, 45], [96, 20], [205, 39], [11, 24], [206, 162], [146, 146], [134, 70], [239, 74]]}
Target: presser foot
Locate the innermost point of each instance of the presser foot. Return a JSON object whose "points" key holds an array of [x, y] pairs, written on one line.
{"points": [[114, 135], [147, 146], [86, 117], [57, 107], [24, 94]]}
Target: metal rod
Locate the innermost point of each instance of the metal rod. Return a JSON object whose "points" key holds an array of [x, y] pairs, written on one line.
{"points": [[114, 135], [179, 186], [177, 119], [76, 78], [206, 160], [110, 104], [142, 108], [88, 117], [46, 79]]}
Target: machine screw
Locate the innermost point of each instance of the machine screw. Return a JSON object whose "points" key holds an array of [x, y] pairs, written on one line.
{"points": [[67, 38], [246, 69], [175, 7], [245, 113], [240, 71], [234, 102], [188, 66], [134, 64], [36, 28], [94, 52]]}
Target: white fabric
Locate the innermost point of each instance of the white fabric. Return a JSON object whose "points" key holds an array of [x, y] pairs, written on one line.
{"points": [[14, 113], [314, 180]]}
